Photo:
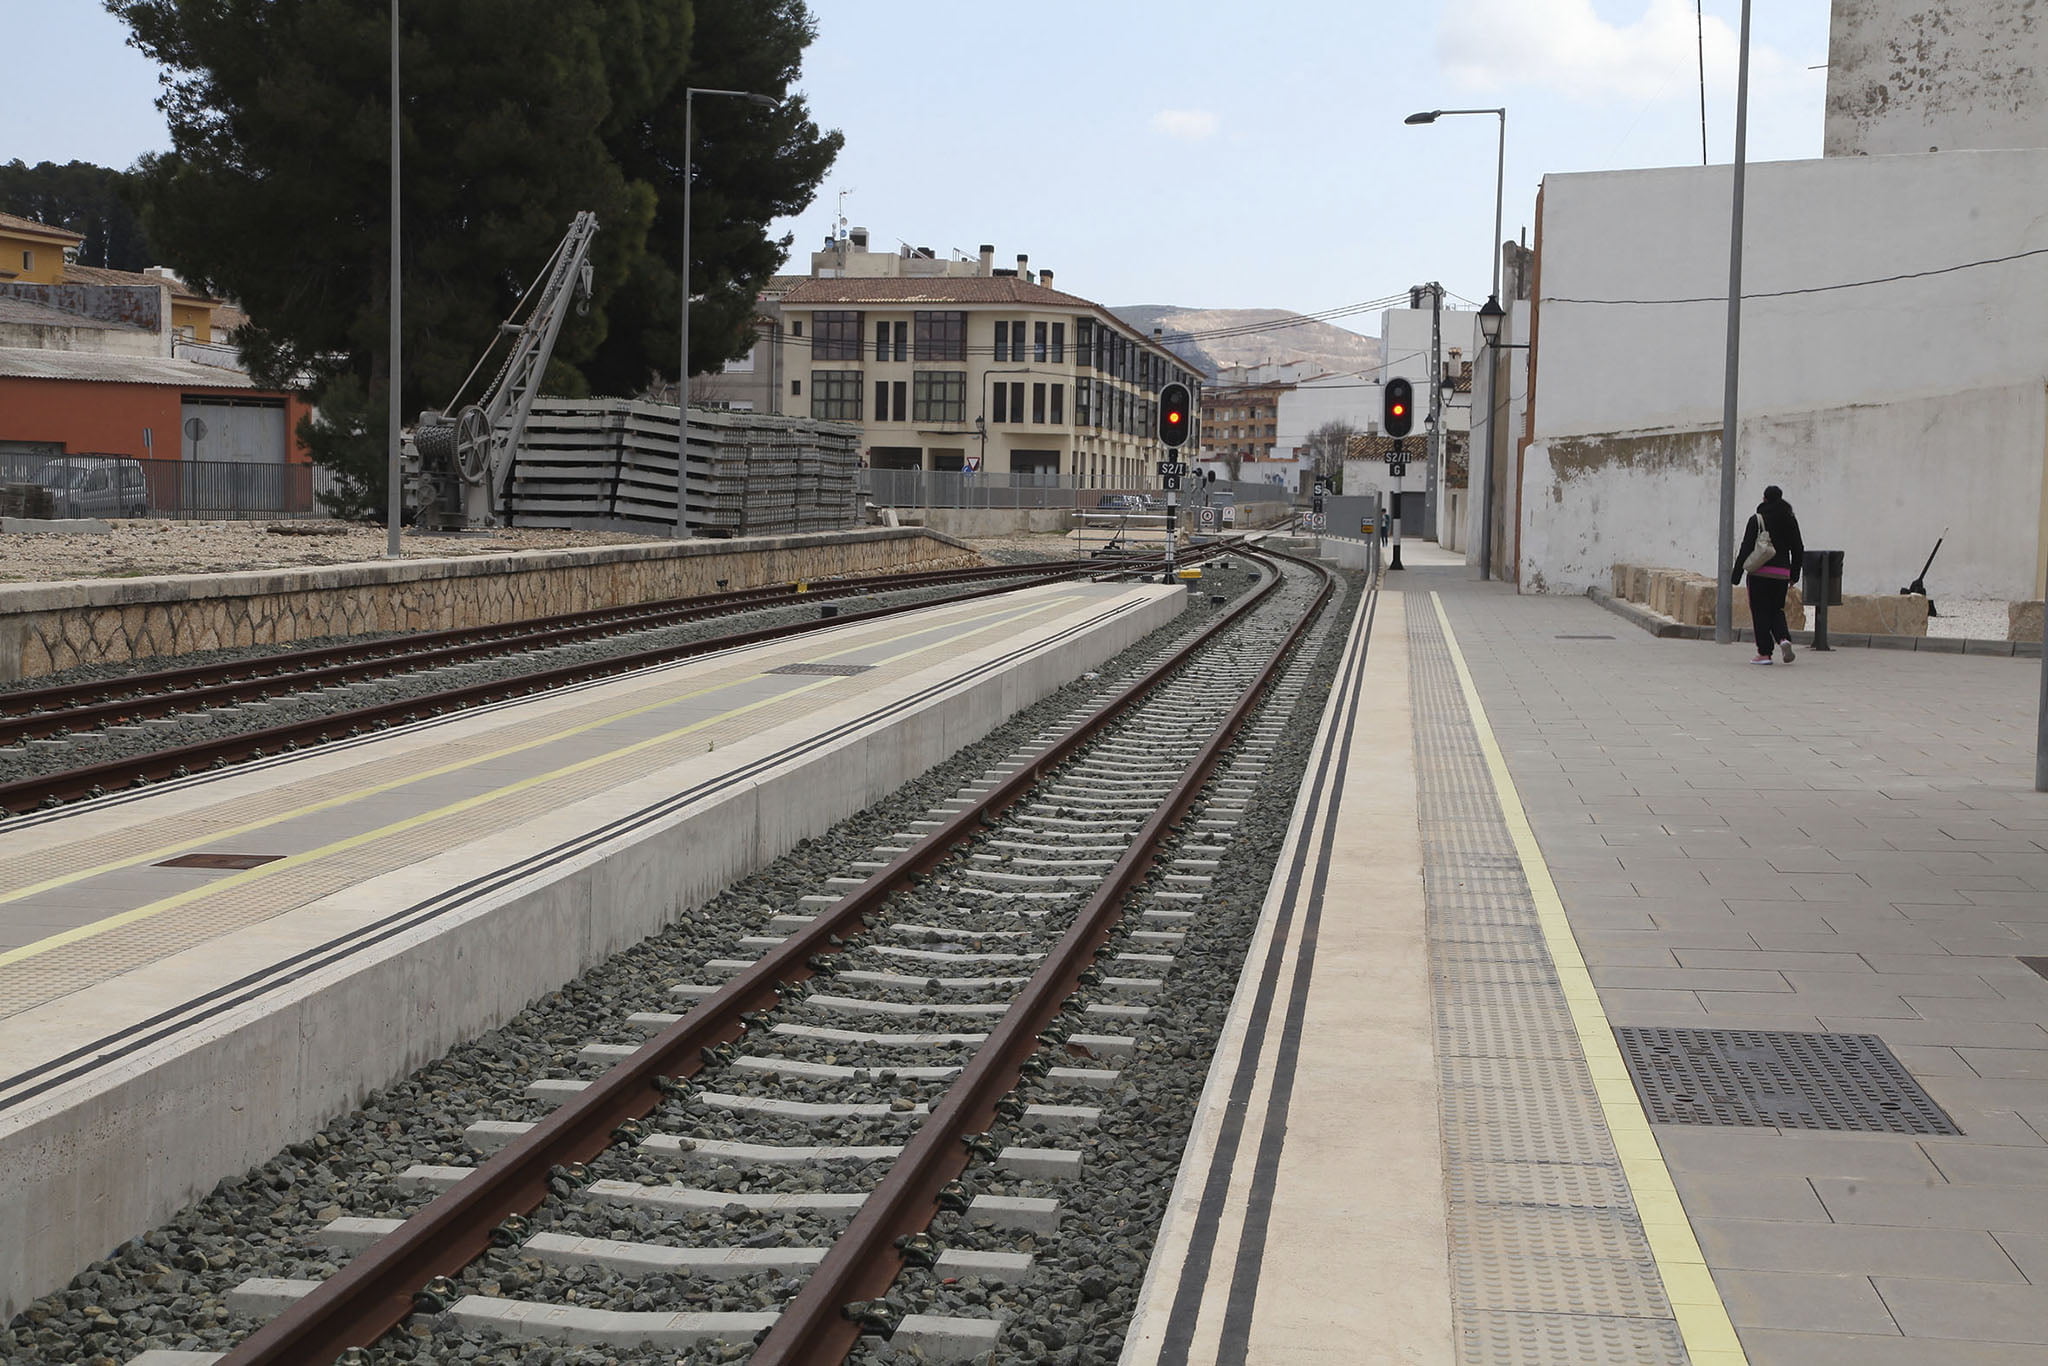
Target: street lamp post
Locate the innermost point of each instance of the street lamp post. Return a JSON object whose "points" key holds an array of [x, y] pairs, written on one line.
{"points": [[1493, 365], [394, 475], [683, 370]]}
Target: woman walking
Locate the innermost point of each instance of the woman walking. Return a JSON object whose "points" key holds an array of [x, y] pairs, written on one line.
{"points": [[1772, 576]]}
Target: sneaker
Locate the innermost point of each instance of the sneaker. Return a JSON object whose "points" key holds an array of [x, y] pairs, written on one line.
{"points": [[1785, 650], [1761, 659]]}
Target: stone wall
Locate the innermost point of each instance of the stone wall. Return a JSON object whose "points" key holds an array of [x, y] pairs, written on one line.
{"points": [[48, 627], [1689, 599]]}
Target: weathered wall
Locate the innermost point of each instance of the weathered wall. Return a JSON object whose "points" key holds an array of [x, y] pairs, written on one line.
{"points": [[1921, 75], [1879, 481], [48, 627], [1886, 410]]}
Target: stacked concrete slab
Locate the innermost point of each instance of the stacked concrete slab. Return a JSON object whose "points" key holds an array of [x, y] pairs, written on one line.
{"points": [[611, 462]]}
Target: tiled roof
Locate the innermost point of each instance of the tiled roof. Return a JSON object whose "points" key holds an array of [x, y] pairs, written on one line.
{"points": [[104, 275], [97, 367], [1377, 446], [14, 222], [961, 289], [227, 318]]}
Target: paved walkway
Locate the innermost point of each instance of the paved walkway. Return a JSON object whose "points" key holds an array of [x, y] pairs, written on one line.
{"points": [[1849, 845]]}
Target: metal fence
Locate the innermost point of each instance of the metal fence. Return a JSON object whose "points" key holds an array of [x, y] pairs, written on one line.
{"points": [[84, 485], [955, 489]]}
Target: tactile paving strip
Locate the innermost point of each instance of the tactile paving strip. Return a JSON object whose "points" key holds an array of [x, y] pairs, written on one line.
{"points": [[1774, 1078], [1549, 1263]]}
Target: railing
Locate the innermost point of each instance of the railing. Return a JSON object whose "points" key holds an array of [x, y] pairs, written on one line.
{"points": [[957, 489], [83, 485]]}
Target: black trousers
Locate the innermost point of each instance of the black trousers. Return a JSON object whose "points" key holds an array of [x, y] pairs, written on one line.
{"points": [[1767, 611]]}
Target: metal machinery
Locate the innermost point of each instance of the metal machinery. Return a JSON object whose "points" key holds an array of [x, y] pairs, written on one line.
{"points": [[463, 453]]}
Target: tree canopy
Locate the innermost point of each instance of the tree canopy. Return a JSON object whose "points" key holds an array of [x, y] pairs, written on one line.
{"points": [[516, 115], [84, 198]]}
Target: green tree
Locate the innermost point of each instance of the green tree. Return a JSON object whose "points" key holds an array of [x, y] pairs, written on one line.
{"points": [[517, 114], [84, 198]]}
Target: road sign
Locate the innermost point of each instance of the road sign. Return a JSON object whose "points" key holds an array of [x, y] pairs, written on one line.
{"points": [[971, 465], [1397, 468], [1208, 517], [1312, 521], [1230, 514], [1172, 467], [1170, 482]]}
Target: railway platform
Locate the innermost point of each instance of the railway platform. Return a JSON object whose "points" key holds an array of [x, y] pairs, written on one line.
{"points": [[195, 974], [1617, 1001]]}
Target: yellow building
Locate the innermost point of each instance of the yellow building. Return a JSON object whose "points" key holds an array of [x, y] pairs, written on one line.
{"points": [[32, 253]]}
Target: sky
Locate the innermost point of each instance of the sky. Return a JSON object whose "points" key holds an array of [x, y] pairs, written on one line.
{"points": [[1198, 153]]}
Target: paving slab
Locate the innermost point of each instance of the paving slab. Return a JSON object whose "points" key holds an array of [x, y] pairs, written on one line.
{"points": [[1853, 845]]}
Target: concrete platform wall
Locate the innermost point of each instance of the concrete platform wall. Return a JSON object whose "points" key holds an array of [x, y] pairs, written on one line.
{"points": [[80, 1174], [47, 627]]}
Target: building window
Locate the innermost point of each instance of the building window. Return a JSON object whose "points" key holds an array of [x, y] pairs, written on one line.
{"points": [[938, 395], [881, 400], [1017, 402], [1059, 403], [1001, 411], [941, 336], [881, 343], [835, 395], [796, 327], [899, 389], [838, 336], [1038, 343], [28, 260], [902, 334], [1082, 394], [1059, 343], [1038, 400], [1002, 340], [1084, 339], [796, 388]]}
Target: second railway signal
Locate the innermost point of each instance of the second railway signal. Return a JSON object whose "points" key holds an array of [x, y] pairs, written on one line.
{"points": [[1174, 418], [1400, 410]]}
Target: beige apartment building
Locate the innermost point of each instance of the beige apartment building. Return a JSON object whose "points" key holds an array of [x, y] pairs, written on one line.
{"points": [[996, 369]]}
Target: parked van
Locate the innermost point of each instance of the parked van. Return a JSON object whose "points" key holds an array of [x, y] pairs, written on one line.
{"points": [[95, 486]]}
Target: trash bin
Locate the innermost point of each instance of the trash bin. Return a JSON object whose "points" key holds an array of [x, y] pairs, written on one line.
{"points": [[1820, 578]]}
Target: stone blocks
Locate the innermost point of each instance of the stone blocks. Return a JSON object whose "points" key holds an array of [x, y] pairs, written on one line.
{"points": [[1689, 599], [2023, 620]]}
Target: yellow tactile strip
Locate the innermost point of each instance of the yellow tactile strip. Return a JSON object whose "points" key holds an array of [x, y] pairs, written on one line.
{"points": [[71, 961], [1696, 1304]]}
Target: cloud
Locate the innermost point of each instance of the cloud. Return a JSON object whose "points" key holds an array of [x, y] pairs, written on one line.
{"points": [[1567, 46], [1189, 125]]}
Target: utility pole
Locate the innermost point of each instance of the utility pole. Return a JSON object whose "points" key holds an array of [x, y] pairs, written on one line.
{"points": [[1433, 474], [1724, 590], [394, 473]]}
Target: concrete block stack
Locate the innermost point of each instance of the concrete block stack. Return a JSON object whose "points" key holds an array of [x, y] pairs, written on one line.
{"points": [[1690, 599], [604, 463]]}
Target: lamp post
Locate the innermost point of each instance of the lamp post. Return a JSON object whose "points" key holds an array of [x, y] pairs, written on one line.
{"points": [[1500, 165], [683, 371], [394, 493], [1724, 559]]}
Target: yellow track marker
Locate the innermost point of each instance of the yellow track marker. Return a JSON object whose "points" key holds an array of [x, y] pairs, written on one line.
{"points": [[299, 860], [1702, 1316]]}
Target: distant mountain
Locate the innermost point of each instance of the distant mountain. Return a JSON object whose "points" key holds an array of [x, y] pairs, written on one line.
{"points": [[1329, 347]]}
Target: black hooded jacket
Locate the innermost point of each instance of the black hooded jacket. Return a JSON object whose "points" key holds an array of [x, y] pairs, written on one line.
{"points": [[1778, 519]]}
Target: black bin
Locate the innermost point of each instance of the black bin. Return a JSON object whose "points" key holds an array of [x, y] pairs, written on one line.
{"points": [[1819, 566]]}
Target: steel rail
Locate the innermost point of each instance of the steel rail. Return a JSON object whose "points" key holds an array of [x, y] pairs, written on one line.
{"points": [[863, 1262], [92, 780], [376, 1290], [31, 713]]}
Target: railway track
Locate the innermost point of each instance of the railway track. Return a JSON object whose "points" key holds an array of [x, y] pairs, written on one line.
{"points": [[930, 1032], [167, 698]]}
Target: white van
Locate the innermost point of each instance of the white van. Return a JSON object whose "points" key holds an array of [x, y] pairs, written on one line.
{"points": [[95, 486]]}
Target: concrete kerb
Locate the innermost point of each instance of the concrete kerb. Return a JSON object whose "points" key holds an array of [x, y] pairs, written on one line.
{"points": [[1663, 627], [99, 1160]]}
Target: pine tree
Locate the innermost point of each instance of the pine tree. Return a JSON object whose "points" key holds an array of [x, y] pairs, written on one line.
{"points": [[84, 198]]}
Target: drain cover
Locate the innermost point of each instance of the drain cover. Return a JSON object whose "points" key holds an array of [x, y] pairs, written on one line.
{"points": [[835, 670], [1768, 1078], [220, 860]]}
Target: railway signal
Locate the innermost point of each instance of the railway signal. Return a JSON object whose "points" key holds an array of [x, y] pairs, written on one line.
{"points": [[1400, 413], [1174, 418]]}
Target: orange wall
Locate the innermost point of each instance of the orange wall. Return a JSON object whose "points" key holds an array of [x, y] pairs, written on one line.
{"points": [[109, 419]]}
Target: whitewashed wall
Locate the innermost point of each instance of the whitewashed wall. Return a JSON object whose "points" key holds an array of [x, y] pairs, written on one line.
{"points": [[1909, 75], [1884, 411]]}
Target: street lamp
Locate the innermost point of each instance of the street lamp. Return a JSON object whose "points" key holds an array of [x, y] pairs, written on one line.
{"points": [[1491, 316], [1493, 349], [683, 371]]}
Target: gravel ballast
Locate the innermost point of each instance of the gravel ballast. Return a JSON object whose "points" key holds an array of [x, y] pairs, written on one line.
{"points": [[168, 1288]]}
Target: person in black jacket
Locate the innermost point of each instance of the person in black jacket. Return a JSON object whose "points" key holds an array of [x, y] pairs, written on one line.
{"points": [[1770, 581]]}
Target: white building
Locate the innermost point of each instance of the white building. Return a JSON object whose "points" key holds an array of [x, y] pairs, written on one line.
{"points": [[1893, 339]]}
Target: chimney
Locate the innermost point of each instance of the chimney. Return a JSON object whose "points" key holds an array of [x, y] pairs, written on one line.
{"points": [[1023, 267], [1045, 278], [988, 258], [859, 238]]}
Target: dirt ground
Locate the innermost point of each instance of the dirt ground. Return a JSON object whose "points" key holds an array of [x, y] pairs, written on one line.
{"points": [[147, 548]]}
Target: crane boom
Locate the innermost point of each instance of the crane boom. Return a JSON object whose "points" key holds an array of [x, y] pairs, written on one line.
{"points": [[478, 440]]}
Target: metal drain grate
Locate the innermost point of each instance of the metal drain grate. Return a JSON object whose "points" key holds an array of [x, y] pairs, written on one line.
{"points": [[834, 670], [220, 860], [1770, 1078]]}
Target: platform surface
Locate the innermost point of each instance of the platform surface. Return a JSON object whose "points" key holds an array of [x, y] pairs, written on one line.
{"points": [[1535, 831]]}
